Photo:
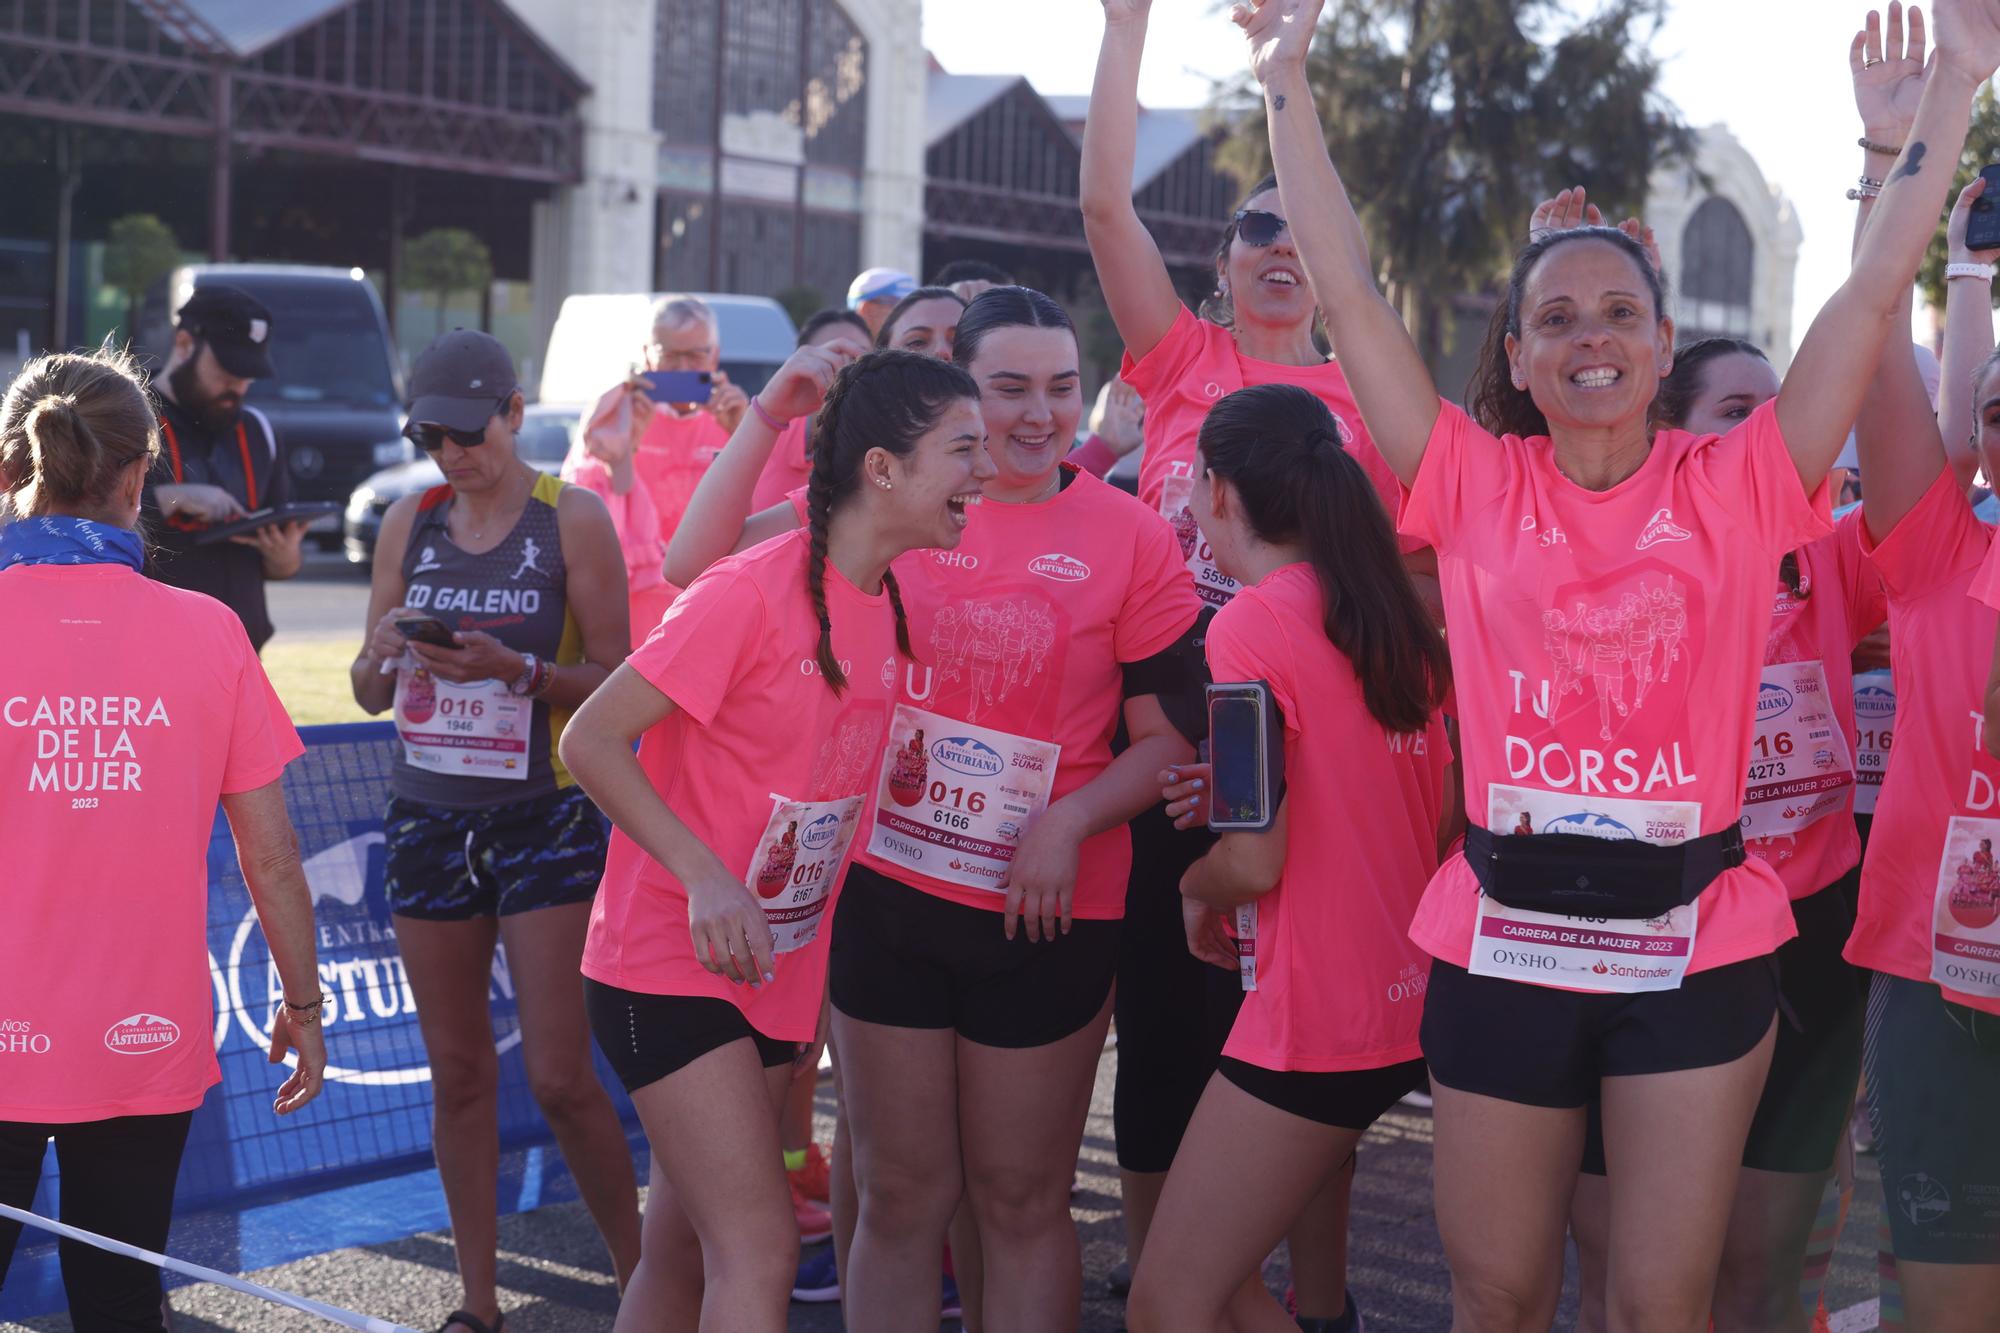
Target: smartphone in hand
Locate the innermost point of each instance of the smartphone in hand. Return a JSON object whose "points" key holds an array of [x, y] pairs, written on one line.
{"points": [[679, 386], [1982, 229], [426, 629]]}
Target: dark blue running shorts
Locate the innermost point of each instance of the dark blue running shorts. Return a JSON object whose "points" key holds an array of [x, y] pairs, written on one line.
{"points": [[454, 865]]}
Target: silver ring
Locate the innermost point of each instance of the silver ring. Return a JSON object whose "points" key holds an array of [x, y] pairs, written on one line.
{"points": [[1870, 64]]}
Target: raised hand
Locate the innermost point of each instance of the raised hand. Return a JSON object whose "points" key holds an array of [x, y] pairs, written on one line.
{"points": [[1125, 11], [1961, 215], [1280, 33], [1643, 236], [800, 385], [1566, 212], [1888, 66], [1968, 37]]}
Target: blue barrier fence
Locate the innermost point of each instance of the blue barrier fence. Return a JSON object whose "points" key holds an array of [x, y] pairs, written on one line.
{"points": [[366, 1140]]}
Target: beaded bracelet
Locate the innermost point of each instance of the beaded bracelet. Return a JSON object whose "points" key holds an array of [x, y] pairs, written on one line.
{"points": [[1868, 145]]}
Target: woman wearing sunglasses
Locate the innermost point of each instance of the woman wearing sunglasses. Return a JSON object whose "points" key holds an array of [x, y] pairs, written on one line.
{"points": [[1256, 328], [498, 605]]}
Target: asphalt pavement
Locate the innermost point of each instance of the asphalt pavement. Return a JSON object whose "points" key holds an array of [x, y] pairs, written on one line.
{"points": [[327, 600], [555, 1277]]}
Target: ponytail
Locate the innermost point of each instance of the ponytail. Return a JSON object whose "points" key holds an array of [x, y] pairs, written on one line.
{"points": [[70, 424], [1279, 448], [886, 400]]}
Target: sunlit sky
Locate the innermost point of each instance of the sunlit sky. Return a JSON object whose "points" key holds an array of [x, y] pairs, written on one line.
{"points": [[1773, 71]]}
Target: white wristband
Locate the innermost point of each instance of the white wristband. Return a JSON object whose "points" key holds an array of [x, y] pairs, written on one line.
{"points": [[1984, 272]]}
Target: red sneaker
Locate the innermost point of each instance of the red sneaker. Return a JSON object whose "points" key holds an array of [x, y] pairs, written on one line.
{"points": [[812, 1180], [815, 1222]]}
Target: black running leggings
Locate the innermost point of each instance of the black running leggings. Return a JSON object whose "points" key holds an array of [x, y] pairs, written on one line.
{"points": [[118, 1181]]}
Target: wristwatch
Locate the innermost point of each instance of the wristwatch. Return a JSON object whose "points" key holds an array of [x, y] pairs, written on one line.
{"points": [[525, 682]]}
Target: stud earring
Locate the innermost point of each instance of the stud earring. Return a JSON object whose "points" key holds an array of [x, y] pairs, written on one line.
{"points": [[883, 484]]}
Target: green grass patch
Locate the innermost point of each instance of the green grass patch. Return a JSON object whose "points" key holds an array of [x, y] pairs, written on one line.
{"points": [[310, 676]]}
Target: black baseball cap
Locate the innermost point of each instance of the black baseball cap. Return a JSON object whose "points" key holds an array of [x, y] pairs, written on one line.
{"points": [[235, 324], [460, 380]]}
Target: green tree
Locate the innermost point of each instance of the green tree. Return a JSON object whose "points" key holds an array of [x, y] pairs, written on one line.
{"points": [[445, 260], [140, 251], [1982, 147], [1450, 119]]}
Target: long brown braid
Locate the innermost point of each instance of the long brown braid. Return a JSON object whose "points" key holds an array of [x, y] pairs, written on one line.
{"points": [[885, 400]]}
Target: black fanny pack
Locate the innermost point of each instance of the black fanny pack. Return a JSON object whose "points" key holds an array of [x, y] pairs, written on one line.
{"points": [[1574, 874]]}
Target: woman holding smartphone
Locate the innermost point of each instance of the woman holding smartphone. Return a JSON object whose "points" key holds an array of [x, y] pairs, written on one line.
{"points": [[1562, 499], [1328, 621], [760, 707], [511, 588]]}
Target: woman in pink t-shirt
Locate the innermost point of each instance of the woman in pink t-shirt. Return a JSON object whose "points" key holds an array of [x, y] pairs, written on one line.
{"points": [[1326, 1040], [760, 705], [977, 938], [1620, 952], [1926, 924], [127, 710], [1798, 817]]}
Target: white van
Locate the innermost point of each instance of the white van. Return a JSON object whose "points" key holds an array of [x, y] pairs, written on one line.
{"points": [[598, 338]]}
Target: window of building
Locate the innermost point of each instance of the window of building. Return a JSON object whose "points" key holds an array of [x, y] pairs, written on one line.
{"points": [[1718, 259]]}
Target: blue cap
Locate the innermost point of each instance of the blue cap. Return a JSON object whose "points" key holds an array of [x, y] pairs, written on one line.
{"points": [[879, 284]]}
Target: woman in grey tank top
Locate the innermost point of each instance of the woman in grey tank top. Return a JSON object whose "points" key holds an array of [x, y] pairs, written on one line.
{"points": [[498, 605]]}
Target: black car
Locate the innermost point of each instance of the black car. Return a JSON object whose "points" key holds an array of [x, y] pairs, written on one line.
{"points": [[336, 402], [546, 432]]}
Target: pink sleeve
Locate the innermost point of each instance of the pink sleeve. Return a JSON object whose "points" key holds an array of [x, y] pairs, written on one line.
{"points": [[799, 506], [1170, 361], [1093, 456], [1464, 470], [1935, 542], [1861, 589], [1246, 642], [704, 644], [633, 515], [1751, 473], [262, 739], [1160, 601]]}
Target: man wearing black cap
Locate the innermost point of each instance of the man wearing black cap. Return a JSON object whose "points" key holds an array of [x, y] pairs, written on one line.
{"points": [[219, 458]]}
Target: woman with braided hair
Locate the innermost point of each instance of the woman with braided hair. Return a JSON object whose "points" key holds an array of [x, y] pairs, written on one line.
{"points": [[761, 701], [968, 1043]]}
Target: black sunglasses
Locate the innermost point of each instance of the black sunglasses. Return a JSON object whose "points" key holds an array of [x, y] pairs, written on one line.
{"points": [[430, 437], [1258, 228]]}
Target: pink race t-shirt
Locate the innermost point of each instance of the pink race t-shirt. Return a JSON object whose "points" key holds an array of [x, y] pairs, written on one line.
{"points": [[1841, 602], [1021, 634], [1340, 984], [787, 469], [1607, 647], [754, 725], [127, 708], [1941, 645], [1193, 367]]}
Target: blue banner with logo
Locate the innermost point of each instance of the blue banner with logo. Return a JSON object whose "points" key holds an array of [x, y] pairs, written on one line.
{"points": [[367, 1137]]}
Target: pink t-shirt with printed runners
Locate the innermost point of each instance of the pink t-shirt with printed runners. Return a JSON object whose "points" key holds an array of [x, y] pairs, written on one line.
{"points": [[126, 709], [764, 763], [1930, 872], [1195, 365], [1607, 648]]}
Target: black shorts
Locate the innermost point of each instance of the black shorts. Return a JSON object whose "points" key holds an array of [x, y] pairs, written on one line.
{"points": [[1345, 1099], [455, 865], [647, 1037], [1816, 1063], [907, 959], [1538, 1046], [1172, 1011], [1934, 1097]]}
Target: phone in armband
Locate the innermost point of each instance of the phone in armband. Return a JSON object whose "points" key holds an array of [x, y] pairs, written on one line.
{"points": [[1246, 756]]}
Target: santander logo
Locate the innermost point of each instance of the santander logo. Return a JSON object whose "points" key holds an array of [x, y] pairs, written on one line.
{"points": [[1061, 568], [1661, 528], [141, 1034]]}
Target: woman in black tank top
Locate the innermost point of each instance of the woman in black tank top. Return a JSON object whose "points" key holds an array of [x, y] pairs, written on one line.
{"points": [[489, 839]]}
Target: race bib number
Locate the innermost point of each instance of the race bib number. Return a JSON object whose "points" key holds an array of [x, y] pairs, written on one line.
{"points": [[1585, 953], [797, 860], [1965, 917], [1215, 587], [955, 798], [477, 730], [1245, 921], [1874, 732], [1799, 769]]}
